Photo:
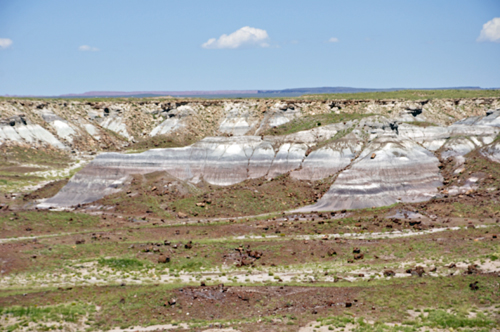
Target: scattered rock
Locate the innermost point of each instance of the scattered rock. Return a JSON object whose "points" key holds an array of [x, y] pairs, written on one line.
{"points": [[417, 271], [255, 254], [244, 297], [472, 269], [331, 252], [473, 286], [163, 259], [359, 256], [389, 273]]}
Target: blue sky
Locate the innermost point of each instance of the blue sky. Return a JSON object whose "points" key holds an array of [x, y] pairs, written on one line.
{"points": [[55, 47]]}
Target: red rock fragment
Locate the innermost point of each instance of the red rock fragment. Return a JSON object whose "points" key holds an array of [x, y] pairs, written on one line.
{"points": [[359, 256], [163, 259], [389, 273]]}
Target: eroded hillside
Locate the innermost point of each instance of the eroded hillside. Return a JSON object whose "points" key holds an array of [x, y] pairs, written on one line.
{"points": [[87, 126], [374, 155], [81, 129], [250, 215]]}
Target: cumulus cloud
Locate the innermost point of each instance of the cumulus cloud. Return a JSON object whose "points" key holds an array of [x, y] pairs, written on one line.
{"points": [[333, 40], [491, 31], [244, 37], [87, 48], [5, 42]]}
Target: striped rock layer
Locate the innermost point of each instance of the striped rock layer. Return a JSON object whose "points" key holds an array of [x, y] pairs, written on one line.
{"points": [[375, 161]]}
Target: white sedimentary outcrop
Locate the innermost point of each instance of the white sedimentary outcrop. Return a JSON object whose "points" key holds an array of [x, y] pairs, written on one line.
{"points": [[388, 170], [492, 151], [63, 128], [133, 119], [283, 116], [175, 119], [216, 160], [492, 119], [331, 158], [28, 134], [377, 160], [115, 123], [17, 130], [92, 130], [239, 119]]}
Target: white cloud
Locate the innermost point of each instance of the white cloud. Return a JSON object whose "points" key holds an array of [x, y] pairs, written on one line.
{"points": [[87, 48], [5, 42], [244, 37], [491, 31], [333, 40]]}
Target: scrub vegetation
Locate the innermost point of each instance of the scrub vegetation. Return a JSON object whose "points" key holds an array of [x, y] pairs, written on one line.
{"points": [[410, 95]]}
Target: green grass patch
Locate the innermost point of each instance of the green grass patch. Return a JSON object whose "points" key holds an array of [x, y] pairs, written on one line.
{"points": [[443, 319], [435, 319], [50, 157], [121, 263], [189, 265], [312, 121], [46, 220], [71, 312], [339, 135], [469, 209], [441, 292], [161, 141], [64, 255], [423, 124], [410, 94]]}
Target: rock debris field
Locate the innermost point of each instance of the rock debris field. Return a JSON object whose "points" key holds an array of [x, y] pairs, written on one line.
{"points": [[304, 214]]}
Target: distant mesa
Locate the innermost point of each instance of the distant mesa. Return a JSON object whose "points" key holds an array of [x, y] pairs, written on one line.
{"points": [[156, 93], [295, 92]]}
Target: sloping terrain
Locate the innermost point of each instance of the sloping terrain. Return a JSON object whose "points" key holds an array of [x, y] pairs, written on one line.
{"points": [[115, 124], [375, 161], [250, 215]]}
